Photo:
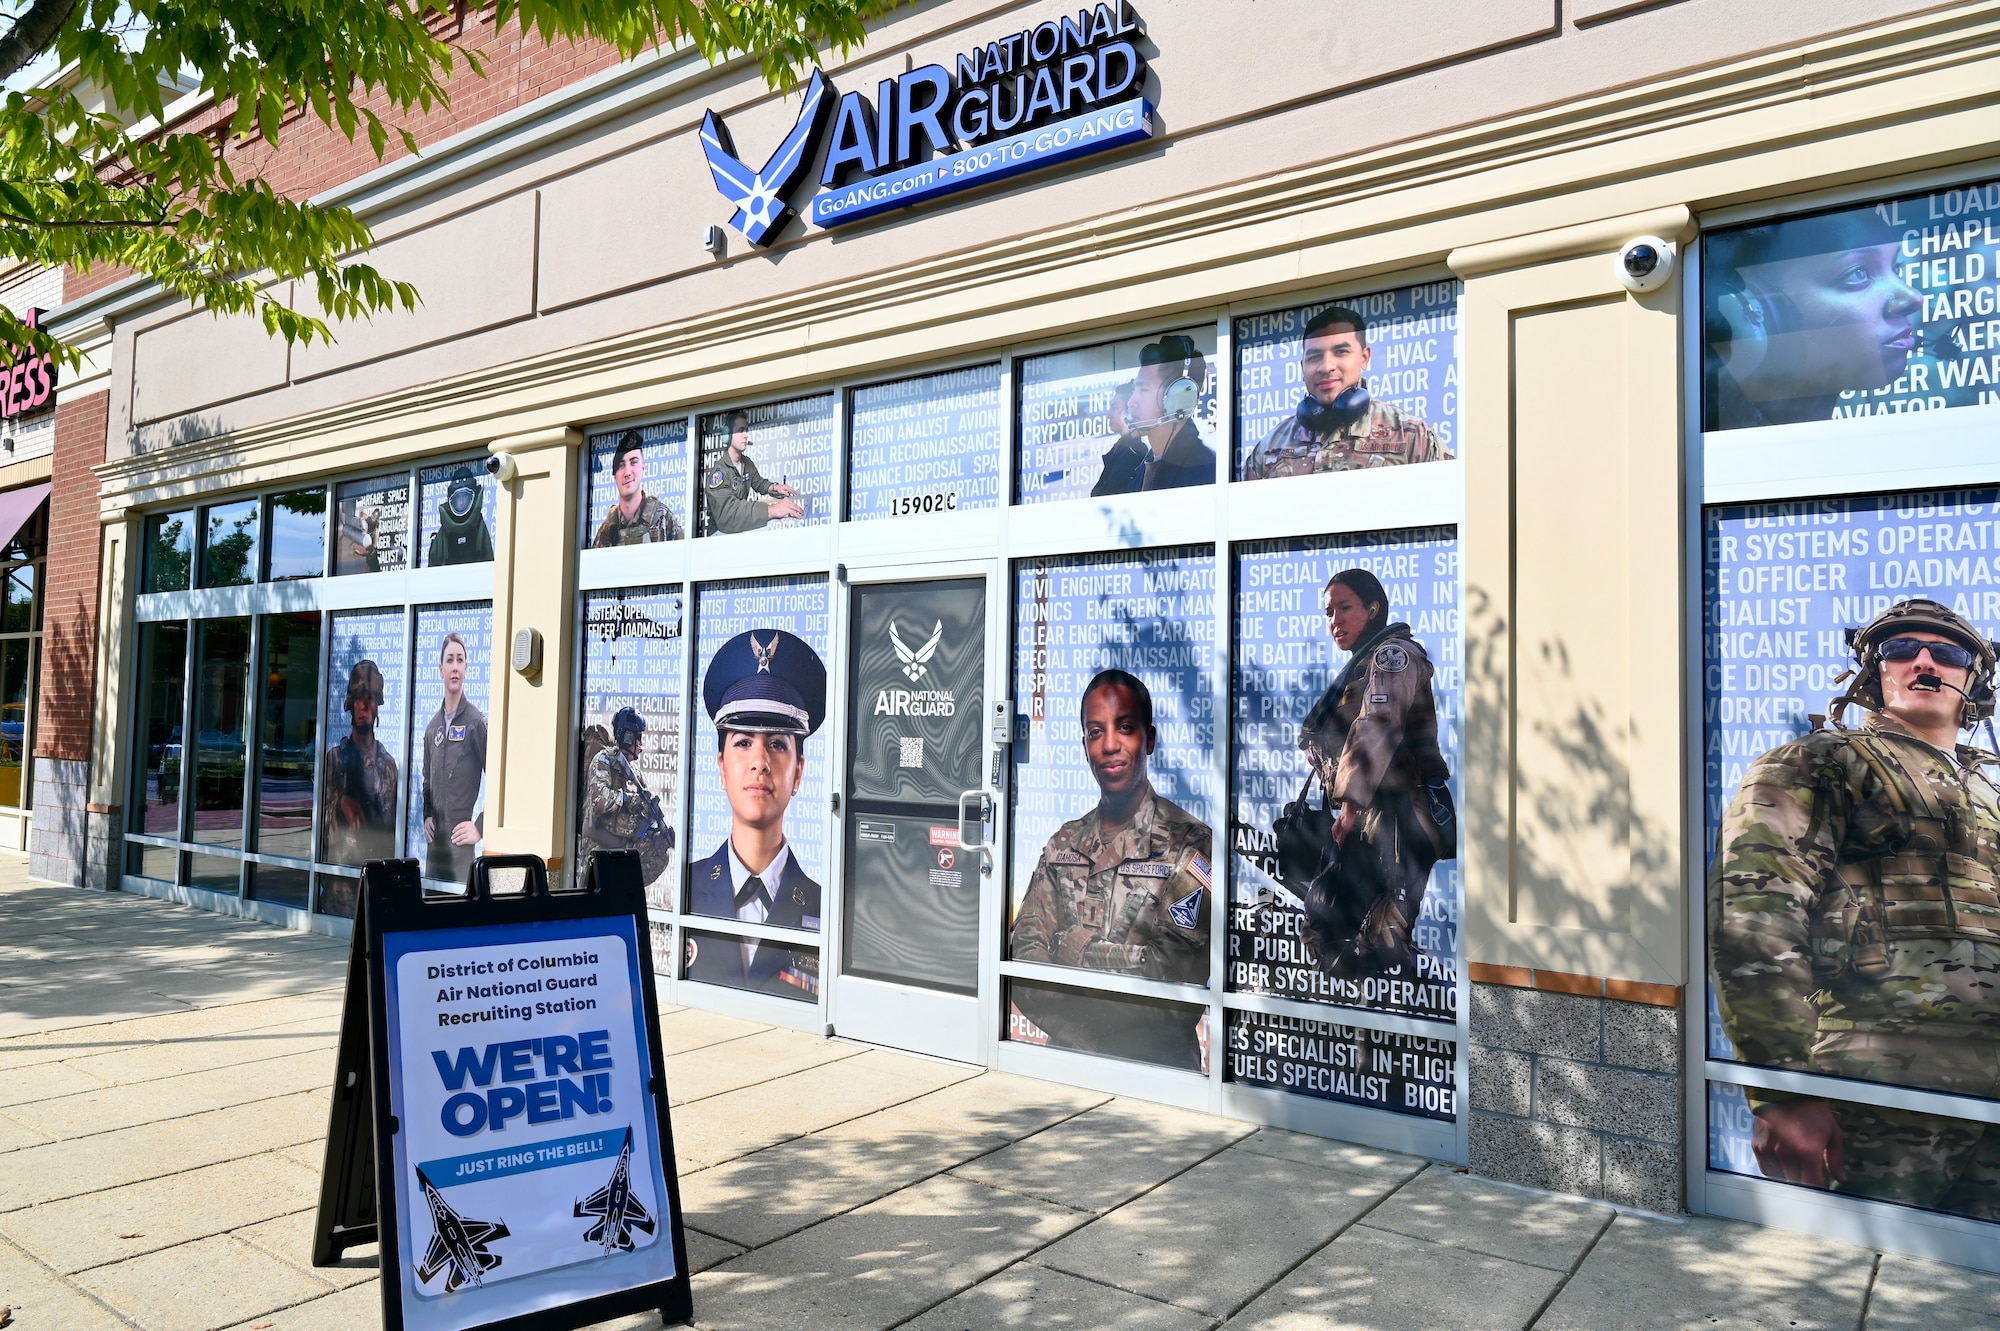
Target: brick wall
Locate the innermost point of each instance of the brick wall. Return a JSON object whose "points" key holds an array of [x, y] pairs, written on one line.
{"points": [[69, 599], [311, 157]]}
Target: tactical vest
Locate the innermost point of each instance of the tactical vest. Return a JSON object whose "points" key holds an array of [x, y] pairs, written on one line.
{"points": [[1939, 882]]}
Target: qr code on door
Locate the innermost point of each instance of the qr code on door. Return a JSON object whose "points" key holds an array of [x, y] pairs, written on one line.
{"points": [[910, 752]]}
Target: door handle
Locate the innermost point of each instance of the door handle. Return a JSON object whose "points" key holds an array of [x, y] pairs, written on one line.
{"points": [[983, 802]]}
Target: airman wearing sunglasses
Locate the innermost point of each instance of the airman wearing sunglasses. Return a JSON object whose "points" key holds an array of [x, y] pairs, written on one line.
{"points": [[1855, 921]]}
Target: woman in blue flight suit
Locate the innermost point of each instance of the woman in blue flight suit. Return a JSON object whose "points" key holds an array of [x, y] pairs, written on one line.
{"points": [[766, 692]]}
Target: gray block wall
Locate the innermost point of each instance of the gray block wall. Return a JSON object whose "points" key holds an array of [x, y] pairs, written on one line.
{"points": [[1578, 1095], [58, 837]]}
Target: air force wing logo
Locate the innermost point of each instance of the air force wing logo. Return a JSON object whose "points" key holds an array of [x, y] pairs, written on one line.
{"points": [[618, 1212], [763, 196], [458, 1246], [914, 662]]}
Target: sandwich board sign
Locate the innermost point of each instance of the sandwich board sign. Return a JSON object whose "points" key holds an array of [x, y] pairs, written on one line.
{"points": [[499, 1121]]}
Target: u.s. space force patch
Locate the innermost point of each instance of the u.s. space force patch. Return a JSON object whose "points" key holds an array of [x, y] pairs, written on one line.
{"points": [[1187, 911], [1147, 868]]}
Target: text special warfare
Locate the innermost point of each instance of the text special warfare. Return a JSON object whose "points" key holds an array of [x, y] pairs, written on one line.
{"points": [[1047, 94]]}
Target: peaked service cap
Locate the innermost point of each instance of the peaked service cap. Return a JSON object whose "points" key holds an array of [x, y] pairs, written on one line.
{"points": [[766, 682]]}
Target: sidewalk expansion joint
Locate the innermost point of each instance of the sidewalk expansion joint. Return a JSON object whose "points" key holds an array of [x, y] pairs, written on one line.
{"points": [[1570, 1274], [68, 1284], [1868, 1293]]}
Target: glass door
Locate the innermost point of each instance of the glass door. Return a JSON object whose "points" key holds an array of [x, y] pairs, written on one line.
{"points": [[918, 810]]}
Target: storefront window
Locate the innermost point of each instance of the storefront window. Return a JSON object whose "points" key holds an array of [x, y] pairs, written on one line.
{"points": [[1114, 779], [452, 691], [1344, 385], [221, 711], [372, 526], [18, 604], [297, 535], [1853, 927], [229, 544], [16, 671], [361, 772], [1346, 692], [162, 678], [637, 491], [457, 512], [288, 733], [169, 552], [767, 467], [628, 763], [1120, 417], [1143, 1030], [932, 444]]}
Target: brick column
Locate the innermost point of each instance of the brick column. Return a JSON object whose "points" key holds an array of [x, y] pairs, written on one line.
{"points": [[62, 828]]}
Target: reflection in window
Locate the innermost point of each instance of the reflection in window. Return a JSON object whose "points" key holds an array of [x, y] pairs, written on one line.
{"points": [[229, 544], [222, 667], [778, 969], [161, 862], [337, 894], [288, 735], [281, 886], [169, 552], [18, 608], [163, 687], [298, 535], [215, 873], [15, 672]]}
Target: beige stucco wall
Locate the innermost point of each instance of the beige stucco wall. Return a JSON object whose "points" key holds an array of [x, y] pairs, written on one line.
{"points": [[1521, 155]]}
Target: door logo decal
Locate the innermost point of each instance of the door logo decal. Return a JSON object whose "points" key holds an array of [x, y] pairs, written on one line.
{"points": [[915, 662]]}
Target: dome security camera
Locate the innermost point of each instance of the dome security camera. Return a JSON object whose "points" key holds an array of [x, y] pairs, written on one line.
{"points": [[1645, 263], [501, 467]]}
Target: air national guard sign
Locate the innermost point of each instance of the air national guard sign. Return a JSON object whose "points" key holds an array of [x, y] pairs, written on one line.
{"points": [[523, 1171], [1064, 89]]}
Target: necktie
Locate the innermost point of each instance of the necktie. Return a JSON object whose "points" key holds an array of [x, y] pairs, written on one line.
{"points": [[752, 890]]}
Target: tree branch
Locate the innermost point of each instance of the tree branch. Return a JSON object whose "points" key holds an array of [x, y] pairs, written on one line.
{"points": [[33, 33]]}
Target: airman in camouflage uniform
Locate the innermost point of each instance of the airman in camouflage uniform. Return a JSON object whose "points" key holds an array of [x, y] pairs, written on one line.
{"points": [[649, 520], [358, 780], [1131, 900], [1338, 426], [619, 813], [1854, 916], [1372, 741], [653, 522]]}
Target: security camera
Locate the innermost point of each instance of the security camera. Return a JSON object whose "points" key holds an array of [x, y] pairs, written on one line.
{"points": [[501, 467], [1645, 263]]}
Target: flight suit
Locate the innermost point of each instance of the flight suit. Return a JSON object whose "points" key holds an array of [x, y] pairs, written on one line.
{"points": [[1854, 922], [1381, 436], [454, 771], [653, 522], [727, 490]]}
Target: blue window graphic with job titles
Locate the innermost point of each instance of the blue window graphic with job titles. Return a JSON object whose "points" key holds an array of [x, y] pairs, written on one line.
{"points": [[932, 444]]}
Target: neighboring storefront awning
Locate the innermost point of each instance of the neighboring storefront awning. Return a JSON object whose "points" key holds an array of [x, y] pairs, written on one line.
{"points": [[17, 506]]}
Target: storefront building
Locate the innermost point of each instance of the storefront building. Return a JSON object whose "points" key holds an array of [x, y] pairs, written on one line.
{"points": [[1488, 423]]}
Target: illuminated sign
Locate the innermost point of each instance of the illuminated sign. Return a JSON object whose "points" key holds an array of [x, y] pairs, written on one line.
{"points": [[1052, 93]]}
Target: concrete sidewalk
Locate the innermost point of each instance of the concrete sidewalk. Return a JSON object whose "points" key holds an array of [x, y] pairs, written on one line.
{"points": [[163, 1094]]}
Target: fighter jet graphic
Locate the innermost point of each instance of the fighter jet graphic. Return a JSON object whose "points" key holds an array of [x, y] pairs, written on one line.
{"points": [[763, 196], [915, 661], [459, 1245], [621, 1212]]}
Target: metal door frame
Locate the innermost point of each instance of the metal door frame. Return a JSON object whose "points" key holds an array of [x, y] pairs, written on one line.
{"points": [[981, 1048]]}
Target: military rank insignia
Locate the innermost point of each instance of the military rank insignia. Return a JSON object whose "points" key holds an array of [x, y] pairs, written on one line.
{"points": [[1187, 911]]}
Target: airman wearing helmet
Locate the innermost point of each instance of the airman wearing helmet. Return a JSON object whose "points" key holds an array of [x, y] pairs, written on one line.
{"points": [[358, 783], [1854, 907], [619, 813]]}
